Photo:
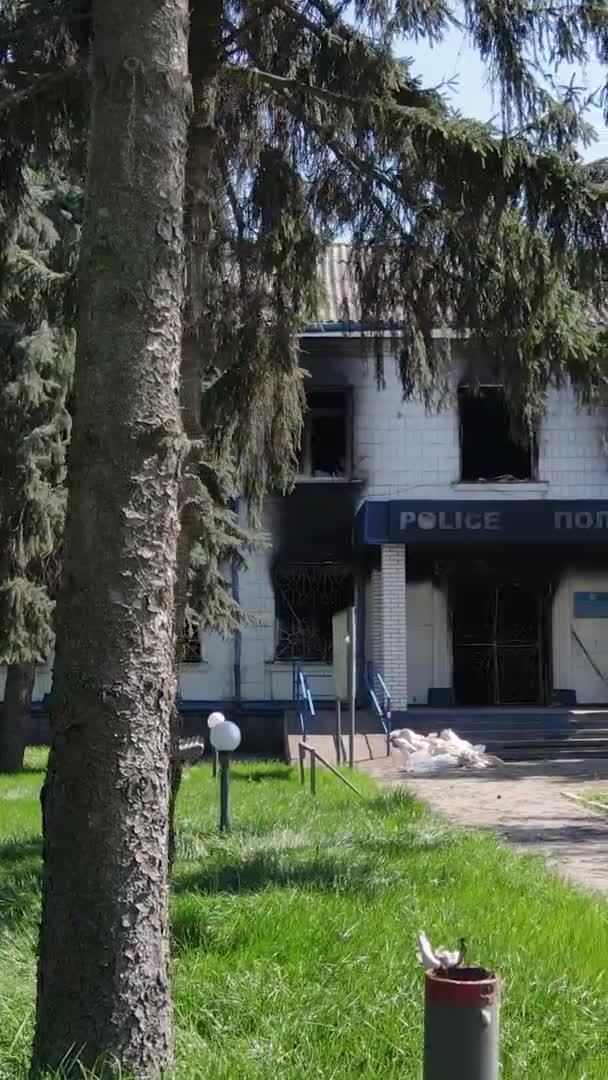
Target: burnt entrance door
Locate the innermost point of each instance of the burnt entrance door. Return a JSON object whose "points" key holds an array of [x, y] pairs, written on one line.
{"points": [[498, 643]]}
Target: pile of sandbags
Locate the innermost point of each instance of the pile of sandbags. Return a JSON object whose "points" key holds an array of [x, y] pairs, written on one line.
{"points": [[438, 752]]}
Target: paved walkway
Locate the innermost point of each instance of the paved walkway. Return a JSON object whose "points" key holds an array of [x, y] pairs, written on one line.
{"points": [[524, 803]]}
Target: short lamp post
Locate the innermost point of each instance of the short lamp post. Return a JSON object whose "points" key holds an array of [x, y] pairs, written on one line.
{"points": [[225, 737], [213, 720]]}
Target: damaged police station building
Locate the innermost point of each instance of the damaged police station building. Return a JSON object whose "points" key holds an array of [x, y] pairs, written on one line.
{"points": [[478, 564]]}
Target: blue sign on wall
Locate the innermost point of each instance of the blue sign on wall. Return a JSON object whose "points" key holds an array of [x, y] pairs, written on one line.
{"points": [[591, 605], [472, 522]]}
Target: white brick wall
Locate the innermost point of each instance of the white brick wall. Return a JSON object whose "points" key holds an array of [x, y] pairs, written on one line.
{"points": [[573, 461], [394, 623], [401, 451]]}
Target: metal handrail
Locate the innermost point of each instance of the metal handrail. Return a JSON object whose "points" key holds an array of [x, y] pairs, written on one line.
{"points": [[382, 708], [305, 747], [303, 699]]}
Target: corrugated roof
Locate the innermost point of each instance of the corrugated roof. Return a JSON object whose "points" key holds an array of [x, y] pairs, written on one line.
{"points": [[338, 310], [338, 304], [339, 292]]}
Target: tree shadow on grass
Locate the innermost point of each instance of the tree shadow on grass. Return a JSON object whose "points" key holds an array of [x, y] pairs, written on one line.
{"points": [[565, 833], [353, 867], [562, 771], [20, 876], [272, 772], [14, 851], [272, 870]]}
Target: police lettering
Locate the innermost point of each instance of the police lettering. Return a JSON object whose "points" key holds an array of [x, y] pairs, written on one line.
{"points": [[449, 520], [583, 519]]}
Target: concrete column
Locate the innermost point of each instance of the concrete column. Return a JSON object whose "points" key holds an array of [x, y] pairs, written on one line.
{"points": [[394, 635]]}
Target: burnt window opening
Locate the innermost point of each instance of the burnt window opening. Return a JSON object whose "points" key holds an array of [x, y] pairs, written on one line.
{"points": [[191, 648], [488, 447], [326, 438], [306, 598]]}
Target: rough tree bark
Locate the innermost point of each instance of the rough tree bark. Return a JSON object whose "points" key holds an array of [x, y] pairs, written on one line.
{"points": [[15, 715], [103, 977], [204, 58]]}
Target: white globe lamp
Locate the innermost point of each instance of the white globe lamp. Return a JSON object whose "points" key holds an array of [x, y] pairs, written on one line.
{"points": [[225, 738], [214, 719]]}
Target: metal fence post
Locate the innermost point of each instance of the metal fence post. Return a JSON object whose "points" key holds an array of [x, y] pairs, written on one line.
{"points": [[301, 752], [224, 791], [461, 1031], [353, 687], [313, 773], [338, 731]]}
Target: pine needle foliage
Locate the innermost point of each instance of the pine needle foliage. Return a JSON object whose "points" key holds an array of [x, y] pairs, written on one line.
{"points": [[36, 361], [308, 127]]}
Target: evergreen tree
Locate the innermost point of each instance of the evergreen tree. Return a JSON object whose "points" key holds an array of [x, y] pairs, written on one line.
{"points": [[103, 975], [36, 353], [305, 126]]}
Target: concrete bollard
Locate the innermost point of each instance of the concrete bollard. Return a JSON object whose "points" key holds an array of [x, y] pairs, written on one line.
{"points": [[461, 1031]]}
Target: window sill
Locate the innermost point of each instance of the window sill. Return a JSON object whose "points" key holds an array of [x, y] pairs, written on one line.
{"points": [[308, 665], [503, 486], [300, 479]]}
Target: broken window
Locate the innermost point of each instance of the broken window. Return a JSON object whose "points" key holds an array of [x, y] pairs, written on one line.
{"points": [[325, 450], [306, 598], [488, 446]]}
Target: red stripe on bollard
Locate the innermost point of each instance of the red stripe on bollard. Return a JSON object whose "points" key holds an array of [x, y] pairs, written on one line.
{"points": [[461, 1020], [462, 986]]}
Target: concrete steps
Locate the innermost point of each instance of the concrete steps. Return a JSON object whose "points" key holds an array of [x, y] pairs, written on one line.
{"points": [[522, 734], [512, 734]]}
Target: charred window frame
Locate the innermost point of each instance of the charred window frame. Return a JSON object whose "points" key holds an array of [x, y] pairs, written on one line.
{"points": [[326, 449], [306, 598], [489, 447]]}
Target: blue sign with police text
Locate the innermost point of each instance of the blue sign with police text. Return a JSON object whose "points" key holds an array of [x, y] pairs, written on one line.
{"points": [[426, 521]]}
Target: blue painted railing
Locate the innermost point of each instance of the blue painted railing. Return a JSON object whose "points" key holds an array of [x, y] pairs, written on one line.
{"points": [[303, 700], [380, 700]]}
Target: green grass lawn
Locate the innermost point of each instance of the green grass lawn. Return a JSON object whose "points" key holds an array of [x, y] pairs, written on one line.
{"points": [[294, 938]]}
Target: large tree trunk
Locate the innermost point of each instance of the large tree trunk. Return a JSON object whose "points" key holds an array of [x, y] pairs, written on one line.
{"points": [[103, 979], [15, 715]]}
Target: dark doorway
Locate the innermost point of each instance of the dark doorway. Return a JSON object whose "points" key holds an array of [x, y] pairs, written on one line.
{"points": [[500, 634]]}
